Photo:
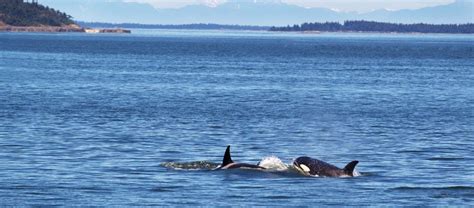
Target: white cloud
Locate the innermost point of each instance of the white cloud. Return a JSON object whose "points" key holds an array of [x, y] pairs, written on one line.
{"points": [[337, 5]]}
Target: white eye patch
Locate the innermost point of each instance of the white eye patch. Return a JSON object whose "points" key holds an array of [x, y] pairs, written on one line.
{"points": [[304, 168]]}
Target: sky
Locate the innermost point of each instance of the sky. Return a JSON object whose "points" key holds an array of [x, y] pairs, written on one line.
{"points": [[265, 12], [337, 5]]}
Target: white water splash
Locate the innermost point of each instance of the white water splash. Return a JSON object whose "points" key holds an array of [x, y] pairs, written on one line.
{"points": [[195, 165], [356, 173], [273, 163]]}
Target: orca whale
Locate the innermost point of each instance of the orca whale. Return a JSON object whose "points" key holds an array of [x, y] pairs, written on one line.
{"points": [[227, 163], [315, 167]]}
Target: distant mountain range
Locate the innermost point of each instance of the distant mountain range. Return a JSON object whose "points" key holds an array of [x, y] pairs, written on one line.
{"points": [[253, 12]]}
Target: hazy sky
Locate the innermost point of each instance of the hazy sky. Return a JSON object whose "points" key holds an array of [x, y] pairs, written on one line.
{"points": [[142, 11], [340, 5]]}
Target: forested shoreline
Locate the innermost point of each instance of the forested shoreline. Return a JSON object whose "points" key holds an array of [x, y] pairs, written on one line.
{"points": [[371, 26], [19, 13]]}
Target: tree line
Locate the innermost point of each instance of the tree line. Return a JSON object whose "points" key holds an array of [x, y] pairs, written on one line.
{"points": [[19, 13], [372, 26]]}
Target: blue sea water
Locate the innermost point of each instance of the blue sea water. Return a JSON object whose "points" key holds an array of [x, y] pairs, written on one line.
{"points": [[121, 120]]}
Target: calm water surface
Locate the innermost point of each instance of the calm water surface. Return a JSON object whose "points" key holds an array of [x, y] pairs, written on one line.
{"points": [[92, 119]]}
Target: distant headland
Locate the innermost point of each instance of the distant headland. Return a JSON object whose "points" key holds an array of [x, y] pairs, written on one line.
{"points": [[30, 16], [371, 26], [195, 26]]}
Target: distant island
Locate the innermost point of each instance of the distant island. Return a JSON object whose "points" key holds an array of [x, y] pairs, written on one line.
{"points": [[30, 16], [371, 26], [347, 26], [198, 26]]}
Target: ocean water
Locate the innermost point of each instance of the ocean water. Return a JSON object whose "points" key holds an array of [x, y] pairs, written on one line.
{"points": [[141, 119]]}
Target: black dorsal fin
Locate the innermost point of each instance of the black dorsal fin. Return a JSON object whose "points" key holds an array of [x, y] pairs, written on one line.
{"points": [[227, 159], [349, 169]]}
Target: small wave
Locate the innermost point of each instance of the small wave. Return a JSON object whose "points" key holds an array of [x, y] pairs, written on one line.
{"points": [[165, 188], [410, 151], [445, 158], [279, 197], [273, 163], [195, 165], [452, 188], [460, 192]]}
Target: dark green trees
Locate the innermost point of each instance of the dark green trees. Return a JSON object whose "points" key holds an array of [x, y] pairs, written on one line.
{"points": [[19, 13], [370, 26]]}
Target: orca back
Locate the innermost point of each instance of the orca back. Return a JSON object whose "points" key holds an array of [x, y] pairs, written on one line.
{"points": [[227, 163], [244, 166]]}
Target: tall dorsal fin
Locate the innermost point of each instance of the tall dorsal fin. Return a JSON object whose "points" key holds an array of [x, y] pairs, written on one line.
{"points": [[349, 169], [227, 159]]}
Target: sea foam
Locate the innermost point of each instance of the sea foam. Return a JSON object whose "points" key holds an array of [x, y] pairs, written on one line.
{"points": [[273, 163]]}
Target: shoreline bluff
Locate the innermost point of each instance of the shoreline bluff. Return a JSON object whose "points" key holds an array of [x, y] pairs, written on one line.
{"points": [[58, 29]]}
